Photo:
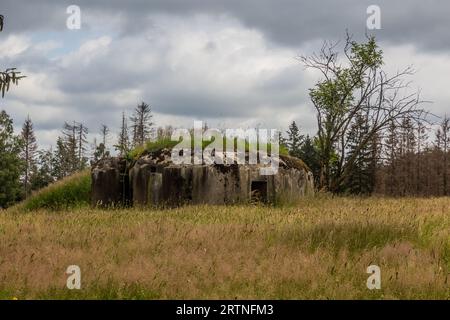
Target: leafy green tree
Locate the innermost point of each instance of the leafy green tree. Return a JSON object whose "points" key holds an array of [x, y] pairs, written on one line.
{"points": [[11, 164], [355, 83]]}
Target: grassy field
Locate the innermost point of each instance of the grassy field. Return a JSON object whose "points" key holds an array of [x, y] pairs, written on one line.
{"points": [[317, 249]]}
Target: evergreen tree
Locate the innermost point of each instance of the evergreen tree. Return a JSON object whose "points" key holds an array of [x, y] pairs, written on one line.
{"points": [[43, 176], [443, 141], [295, 140], [360, 180], [11, 164], [391, 145], [141, 124], [123, 144], [82, 132], [310, 156], [69, 154], [62, 165], [104, 131], [28, 154]]}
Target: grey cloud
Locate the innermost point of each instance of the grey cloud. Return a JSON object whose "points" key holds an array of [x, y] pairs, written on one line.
{"points": [[286, 22]]}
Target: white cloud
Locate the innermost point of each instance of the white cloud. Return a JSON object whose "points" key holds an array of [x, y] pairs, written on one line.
{"points": [[13, 46], [205, 67]]}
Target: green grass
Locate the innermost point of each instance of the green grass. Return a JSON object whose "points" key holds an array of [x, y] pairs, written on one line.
{"points": [[152, 146], [317, 249], [71, 192]]}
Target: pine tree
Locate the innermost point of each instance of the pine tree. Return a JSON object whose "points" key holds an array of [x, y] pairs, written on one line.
{"points": [[141, 124], [295, 140], [310, 156], [421, 138], [443, 137], [360, 180], [44, 173], [11, 164], [70, 150], [391, 147], [28, 154], [123, 144], [82, 132], [62, 165], [408, 147], [104, 131]]}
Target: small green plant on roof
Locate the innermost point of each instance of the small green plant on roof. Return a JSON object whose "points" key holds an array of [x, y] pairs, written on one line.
{"points": [[166, 143]]}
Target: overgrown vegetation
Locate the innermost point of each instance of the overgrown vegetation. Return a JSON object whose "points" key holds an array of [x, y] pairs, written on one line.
{"points": [[318, 249], [71, 192]]}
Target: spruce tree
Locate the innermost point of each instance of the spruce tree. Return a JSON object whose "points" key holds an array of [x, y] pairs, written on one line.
{"points": [[70, 151], [141, 124], [310, 156], [43, 176], [123, 141], [360, 179], [28, 154], [11, 164], [104, 131], [82, 132], [295, 140]]}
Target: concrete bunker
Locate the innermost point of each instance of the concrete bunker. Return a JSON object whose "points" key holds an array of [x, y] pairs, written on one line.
{"points": [[153, 180]]}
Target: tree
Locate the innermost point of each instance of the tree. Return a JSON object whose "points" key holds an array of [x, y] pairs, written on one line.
{"points": [[391, 145], [82, 132], [443, 138], [100, 152], [360, 180], [310, 156], [356, 84], [123, 143], [62, 165], [141, 123], [43, 176], [295, 140], [11, 164], [10, 75], [70, 150], [28, 154], [104, 131]]}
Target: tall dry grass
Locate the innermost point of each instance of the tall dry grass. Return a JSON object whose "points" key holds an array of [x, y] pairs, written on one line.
{"points": [[317, 249]]}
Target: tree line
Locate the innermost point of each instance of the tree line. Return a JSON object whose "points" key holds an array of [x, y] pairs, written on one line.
{"points": [[373, 134], [26, 168], [407, 159]]}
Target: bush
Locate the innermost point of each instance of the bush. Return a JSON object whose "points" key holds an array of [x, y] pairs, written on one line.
{"points": [[71, 192]]}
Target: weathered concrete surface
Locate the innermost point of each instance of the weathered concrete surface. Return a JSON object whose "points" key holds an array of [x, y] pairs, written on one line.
{"points": [[155, 180], [110, 182]]}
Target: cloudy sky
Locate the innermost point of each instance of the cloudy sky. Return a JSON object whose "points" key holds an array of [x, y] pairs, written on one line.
{"points": [[230, 63]]}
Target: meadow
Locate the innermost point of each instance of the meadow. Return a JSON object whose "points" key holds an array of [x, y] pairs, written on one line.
{"points": [[318, 249]]}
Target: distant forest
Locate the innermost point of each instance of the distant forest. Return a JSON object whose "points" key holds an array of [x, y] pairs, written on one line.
{"points": [[408, 159]]}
